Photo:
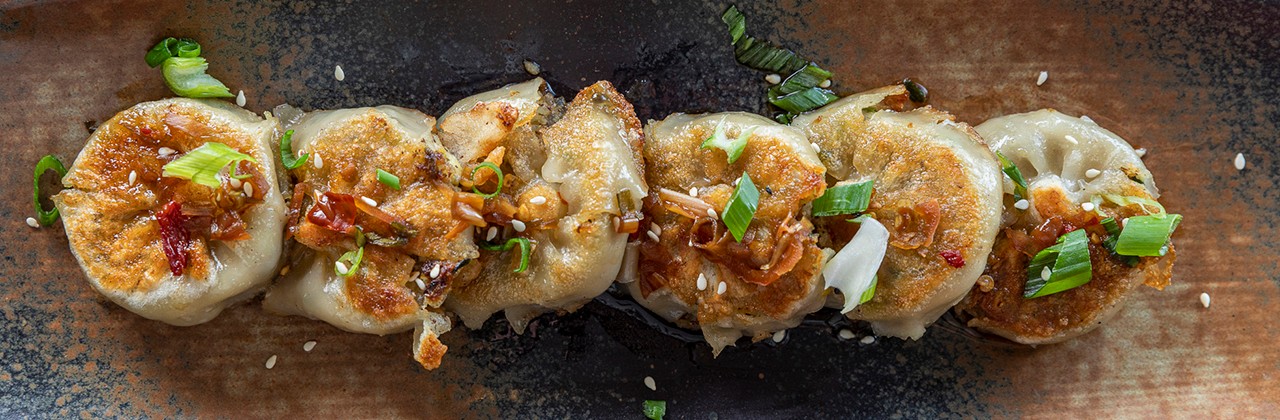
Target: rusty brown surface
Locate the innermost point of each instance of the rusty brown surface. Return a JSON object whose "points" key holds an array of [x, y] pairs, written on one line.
{"points": [[1194, 83]]}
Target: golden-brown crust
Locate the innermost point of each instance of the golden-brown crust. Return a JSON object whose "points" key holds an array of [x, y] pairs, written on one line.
{"points": [[621, 109], [430, 351]]}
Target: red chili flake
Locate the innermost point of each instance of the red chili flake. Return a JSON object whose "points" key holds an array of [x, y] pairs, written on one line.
{"points": [[953, 258], [174, 237], [336, 212], [146, 131]]}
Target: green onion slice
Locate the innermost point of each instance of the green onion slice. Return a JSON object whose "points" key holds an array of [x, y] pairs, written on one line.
{"points": [[808, 77], [844, 199], [526, 249], [1147, 236], [801, 101], [46, 163], [203, 164], [172, 47], [1125, 200], [1060, 267], [388, 179], [755, 53], [870, 293], [1011, 170], [286, 152], [493, 167], [352, 258], [186, 77], [732, 148], [742, 206], [655, 410]]}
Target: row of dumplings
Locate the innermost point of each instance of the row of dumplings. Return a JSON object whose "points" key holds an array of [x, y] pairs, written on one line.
{"points": [[515, 201]]}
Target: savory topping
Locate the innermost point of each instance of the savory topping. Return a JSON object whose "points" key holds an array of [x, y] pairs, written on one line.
{"points": [[349, 262], [852, 271], [742, 207], [1147, 236], [655, 410], [805, 87], [732, 148], [175, 240], [476, 181], [46, 163], [526, 247], [844, 198], [184, 69], [1011, 170], [915, 91], [386, 178], [286, 152], [203, 164], [1063, 266], [172, 47]]}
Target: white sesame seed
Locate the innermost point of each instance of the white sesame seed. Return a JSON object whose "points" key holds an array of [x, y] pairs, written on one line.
{"points": [[722, 288], [1086, 118], [420, 283], [825, 84], [868, 339], [1071, 139], [235, 183], [271, 361], [1141, 152], [532, 67], [166, 152], [518, 225], [653, 236], [773, 78], [713, 214], [493, 233], [1124, 222], [649, 383], [1239, 161], [435, 271], [31, 221], [240, 101], [1204, 300], [815, 147], [1087, 206], [342, 268], [338, 73], [657, 230], [1092, 173], [317, 162], [248, 189], [1022, 204], [779, 336], [693, 191], [736, 181], [133, 177], [1046, 273], [702, 282], [308, 346], [538, 200], [846, 334], [369, 201], [1044, 76]]}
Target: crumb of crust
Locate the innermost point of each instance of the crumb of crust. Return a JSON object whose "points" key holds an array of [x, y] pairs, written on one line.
{"points": [[430, 351]]}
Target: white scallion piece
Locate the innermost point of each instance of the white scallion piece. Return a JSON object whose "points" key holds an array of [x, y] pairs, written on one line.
{"points": [[853, 269]]}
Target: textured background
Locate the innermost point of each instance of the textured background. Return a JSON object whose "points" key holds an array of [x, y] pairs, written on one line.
{"points": [[1193, 82]]}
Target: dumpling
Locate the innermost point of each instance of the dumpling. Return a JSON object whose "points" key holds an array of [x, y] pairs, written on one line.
{"points": [[696, 273], [164, 246], [937, 192], [413, 246], [1077, 174], [572, 185]]}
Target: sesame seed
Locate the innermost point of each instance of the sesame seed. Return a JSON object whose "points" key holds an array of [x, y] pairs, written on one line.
{"points": [[1239, 161], [31, 221], [532, 67], [421, 285], [342, 268], [1022, 204], [846, 334], [1071, 139], [713, 214], [649, 383], [702, 282], [518, 225], [779, 336], [773, 78], [538, 200], [493, 233], [1046, 273], [653, 236], [693, 191], [815, 147], [235, 183], [1092, 173], [284, 270], [722, 288], [165, 151], [657, 230], [1044, 76], [435, 271], [1204, 300], [248, 189], [308, 346], [338, 73], [1141, 152], [1086, 118], [825, 84], [318, 163], [1087, 206], [133, 177], [369, 201], [240, 101], [271, 361], [868, 339]]}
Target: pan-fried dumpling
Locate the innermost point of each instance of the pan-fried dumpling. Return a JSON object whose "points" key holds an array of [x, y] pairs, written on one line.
{"points": [[937, 193], [413, 247], [164, 246], [1077, 174], [696, 273], [572, 188]]}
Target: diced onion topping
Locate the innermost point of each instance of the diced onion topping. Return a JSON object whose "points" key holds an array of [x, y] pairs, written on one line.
{"points": [[852, 271], [286, 152], [46, 163], [526, 248], [203, 164], [742, 207], [386, 178], [1063, 266], [852, 198]]}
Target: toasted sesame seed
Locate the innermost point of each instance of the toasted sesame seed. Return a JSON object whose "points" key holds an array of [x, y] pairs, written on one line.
{"points": [[657, 230], [773, 78], [779, 336], [653, 236], [271, 361], [722, 288], [369, 201], [1142, 151], [1022, 204], [284, 270], [1087, 206], [702, 282], [318, 163], [538, 200], [1204, 300], [338, 73], [31, 221], [240, 101], [435, 271], [845, 334], [825, 84], [532, 67], [518, 225], [649, 383], [713, 214], [342, 268], [493, 233], [248, 189], [308, 346], [1086, 118], [693, 191], [235, 183], [1092, 173], [165, 151], [1046, 273], [868, 339], [736, 181], [815, 147], [1044, 76], [133, 177], [1071, 139], [421, 285], [1239, 161]]}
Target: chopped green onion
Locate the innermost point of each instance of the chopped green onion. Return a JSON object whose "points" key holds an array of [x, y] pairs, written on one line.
{"points": [[203, 164], [655, 410], [870, 293], [186, 77], [172, 47], [526, 248], [741, 209], [915, 91], [286, 152], [1011, 170], [861, 218], [756, 53], [386, 178], [844, 199], [1060, 267], [351, 260], [801, 101], [493, 167], [808, 77], [1113, 235], [46, 163], [1125, 200], [1147, 236], [732, 148]]}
